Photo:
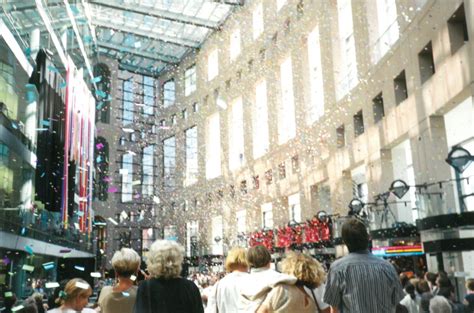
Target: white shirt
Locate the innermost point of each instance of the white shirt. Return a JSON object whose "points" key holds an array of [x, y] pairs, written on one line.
{"points": [[59, 310], [318, 294], [227, 293], [410, 304]]}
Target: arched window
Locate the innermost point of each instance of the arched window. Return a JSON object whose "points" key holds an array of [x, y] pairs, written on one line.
{"points": [[102, 95], [101, 168]]}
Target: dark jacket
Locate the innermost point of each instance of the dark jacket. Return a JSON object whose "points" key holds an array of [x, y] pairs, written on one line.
{"points": [[176, 295]]}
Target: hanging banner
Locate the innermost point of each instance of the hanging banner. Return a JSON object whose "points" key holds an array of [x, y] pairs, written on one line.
{"points": [[79, 146]]}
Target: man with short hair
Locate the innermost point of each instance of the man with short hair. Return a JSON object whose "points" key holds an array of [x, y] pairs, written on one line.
{"points": [[361, 282]]}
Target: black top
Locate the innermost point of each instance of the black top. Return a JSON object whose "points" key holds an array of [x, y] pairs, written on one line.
{"points": [[176, 295]]}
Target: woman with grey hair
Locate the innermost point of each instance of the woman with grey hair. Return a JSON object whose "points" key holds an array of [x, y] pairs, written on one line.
{"points": [[121, 297], [439, 304], [166, 291]]}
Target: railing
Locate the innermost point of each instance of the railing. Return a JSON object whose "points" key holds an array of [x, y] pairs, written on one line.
{"points": [[44, 230], [14, 128]]}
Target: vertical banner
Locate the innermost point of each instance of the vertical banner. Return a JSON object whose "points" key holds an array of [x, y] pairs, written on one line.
{"points": [[79, 147]]}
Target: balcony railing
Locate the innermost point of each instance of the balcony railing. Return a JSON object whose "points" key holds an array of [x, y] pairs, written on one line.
{"points": [[43, 228]]}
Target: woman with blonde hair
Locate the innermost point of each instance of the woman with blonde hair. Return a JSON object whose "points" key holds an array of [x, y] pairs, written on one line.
{"points": [[227, 290], [166, 291], [121, 297], [75, 297], [300, 297]]}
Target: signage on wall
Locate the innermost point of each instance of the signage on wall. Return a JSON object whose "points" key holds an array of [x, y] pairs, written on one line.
{"points": [[391, 251]]}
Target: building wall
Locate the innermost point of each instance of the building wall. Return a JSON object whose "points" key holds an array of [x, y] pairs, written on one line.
{"points": [[112, 131], [418, 119]]}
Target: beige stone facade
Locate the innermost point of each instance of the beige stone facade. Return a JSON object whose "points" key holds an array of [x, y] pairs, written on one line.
{"points": [[321, 163]]}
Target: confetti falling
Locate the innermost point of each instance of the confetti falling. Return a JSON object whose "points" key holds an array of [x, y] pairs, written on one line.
{"points": [[246, 196]]}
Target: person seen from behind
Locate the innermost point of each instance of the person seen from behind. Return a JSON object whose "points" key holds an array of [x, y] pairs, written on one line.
{"points": [[225, 299], [166, 291], [469, 297], [74, 297], [361, 282], [439, 304], [409, 301], [261, 279], [121, 297], [299, 297]]}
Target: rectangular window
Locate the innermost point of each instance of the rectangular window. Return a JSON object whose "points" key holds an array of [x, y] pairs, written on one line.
{"points": [[192, 169], [294, 208], [169, 93], [316, 105], [359, 184], [234, 44], [457, 27], [192, 235], [148, 95], [236, 135], [212, 64], [426, 63], [217, 236], [267, 215], [243, 187], [127, 177], [282, 170], [347, 64], [358, 124], [190, 80], [286, 112], [213, 147], [387, 31], [241, 225], [400, 85], [260, 121], [257, 20], [341, 136], [169, 163], [128, 107], [295, 163], [402, 165], [378, 109], [148, 170], [256, 182], [269, 176]]}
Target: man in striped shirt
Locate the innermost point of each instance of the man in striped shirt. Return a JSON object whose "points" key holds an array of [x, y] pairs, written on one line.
{"points": [[361, 282]]}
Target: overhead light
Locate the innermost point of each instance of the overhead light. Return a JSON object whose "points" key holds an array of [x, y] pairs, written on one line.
{"points": [[322, 216], [399, 188], [356, 206], [460, 159]]}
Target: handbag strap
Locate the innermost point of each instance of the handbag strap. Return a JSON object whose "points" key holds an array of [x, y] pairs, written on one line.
{"points": [[315, 301]]}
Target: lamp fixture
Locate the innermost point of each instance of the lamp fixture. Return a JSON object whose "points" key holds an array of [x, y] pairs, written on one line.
{"points": [[399, 188], [459, 159], [355, 206]]}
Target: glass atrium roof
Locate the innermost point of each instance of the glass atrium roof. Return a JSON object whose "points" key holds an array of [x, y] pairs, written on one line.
{"points": [[146, 36]]}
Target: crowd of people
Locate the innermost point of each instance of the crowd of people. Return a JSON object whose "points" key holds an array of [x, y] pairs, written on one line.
{"points": [[356, 283]]}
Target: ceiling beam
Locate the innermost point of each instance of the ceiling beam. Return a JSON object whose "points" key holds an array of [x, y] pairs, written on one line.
{"points": [[159, 14], [147, 35], [140, 70], [147, 55]]}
